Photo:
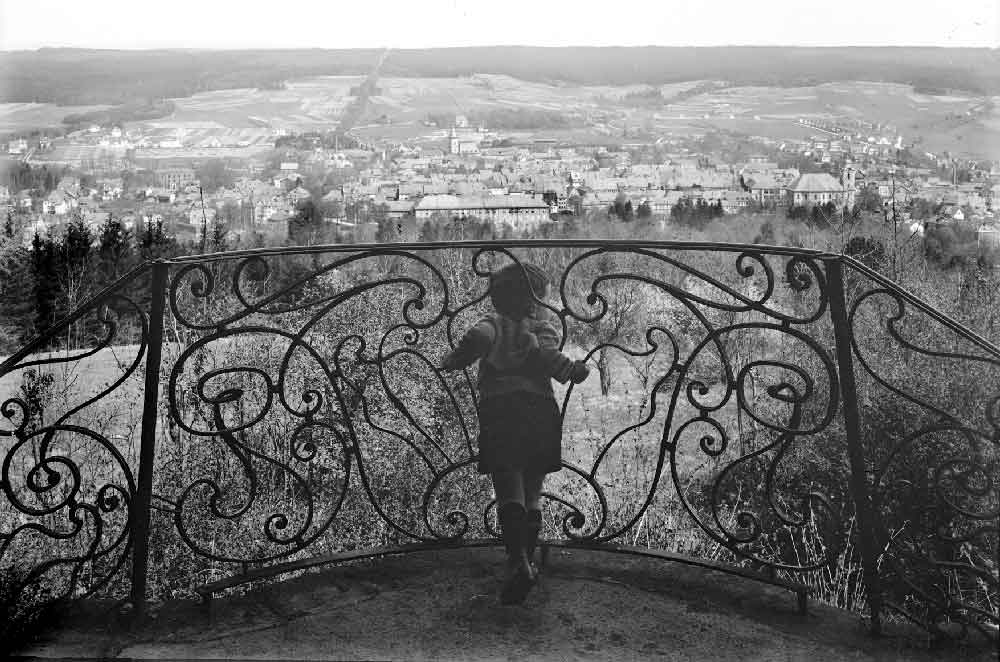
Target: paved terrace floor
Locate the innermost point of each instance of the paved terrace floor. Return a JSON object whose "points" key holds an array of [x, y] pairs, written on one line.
{"points": [[443, 606]]}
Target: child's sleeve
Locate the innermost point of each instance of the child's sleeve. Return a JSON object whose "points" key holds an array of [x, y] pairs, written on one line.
{"points": [[550, 361], [474, 345]]}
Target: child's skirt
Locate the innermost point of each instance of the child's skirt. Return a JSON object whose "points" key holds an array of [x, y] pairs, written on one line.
{"points": [[520, 431]]}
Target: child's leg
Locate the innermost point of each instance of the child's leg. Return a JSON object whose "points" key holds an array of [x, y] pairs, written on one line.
{"points": [[533, 516], [508, 487], [532, 490]]}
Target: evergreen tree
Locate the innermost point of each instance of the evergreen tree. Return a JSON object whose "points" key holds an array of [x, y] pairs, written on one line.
{"points": [[115, 255], [44, 268], [154, 242], [306, 227], [16, 296], [218, 241]]}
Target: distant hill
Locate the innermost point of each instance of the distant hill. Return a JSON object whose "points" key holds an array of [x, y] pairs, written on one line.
{"points": [[82, 76], [970, 70]]}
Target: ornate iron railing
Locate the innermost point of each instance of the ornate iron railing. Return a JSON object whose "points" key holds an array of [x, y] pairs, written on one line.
{"points": [[784, 414]]}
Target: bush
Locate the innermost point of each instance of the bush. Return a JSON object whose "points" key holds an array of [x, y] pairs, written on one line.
{"points": [[26, 611]]}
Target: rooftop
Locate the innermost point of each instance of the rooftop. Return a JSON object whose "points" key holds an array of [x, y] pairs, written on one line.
{"points": [[450, 202], [816, 182]]}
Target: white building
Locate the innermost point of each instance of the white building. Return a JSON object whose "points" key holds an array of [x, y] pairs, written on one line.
{"points": [[820, 188], [463, 144], [519, 211]]}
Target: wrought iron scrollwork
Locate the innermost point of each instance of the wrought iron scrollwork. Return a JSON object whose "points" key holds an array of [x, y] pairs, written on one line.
{"points": [[936, 477], [67, 476], [372, 389], [302, 412]]}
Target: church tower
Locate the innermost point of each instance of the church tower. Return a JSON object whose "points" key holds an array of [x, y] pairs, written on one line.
{"points": [[453, 141], [847, 180]]}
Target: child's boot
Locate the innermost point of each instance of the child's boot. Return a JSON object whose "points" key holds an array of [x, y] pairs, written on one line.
{"points": [[520, 576]]}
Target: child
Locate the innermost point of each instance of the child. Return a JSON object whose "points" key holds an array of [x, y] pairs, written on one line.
{"points": [[520, 429]]}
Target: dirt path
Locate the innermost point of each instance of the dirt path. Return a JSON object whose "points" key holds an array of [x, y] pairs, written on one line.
{"points": [[443, 606]]}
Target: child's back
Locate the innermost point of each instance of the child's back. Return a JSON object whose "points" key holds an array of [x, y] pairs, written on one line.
{"points": [[518, 355]]}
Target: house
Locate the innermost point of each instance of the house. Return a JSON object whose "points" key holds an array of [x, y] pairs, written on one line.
{"points": [[338, 161], [951, 211], [660, 202], [298, 194], [398, 209], [19, 146], [109, 188], [286, 181], [815, 189], [764, 190], [174, 178], [161, 195], [735, 201], [58, 202]]}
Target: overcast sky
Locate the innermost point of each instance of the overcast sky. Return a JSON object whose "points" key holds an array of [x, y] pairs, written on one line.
{"points": [[29, 24]]}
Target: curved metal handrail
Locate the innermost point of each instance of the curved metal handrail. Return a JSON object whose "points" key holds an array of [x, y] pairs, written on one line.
{"points": [[507, 243], [916, 301], [38, 341], [853, 263]]}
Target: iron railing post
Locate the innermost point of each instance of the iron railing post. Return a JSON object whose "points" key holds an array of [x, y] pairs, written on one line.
{"points": [[139, 512], [864, 510]]}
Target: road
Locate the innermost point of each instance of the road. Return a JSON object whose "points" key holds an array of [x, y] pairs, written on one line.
{"points": [[356, 110]]}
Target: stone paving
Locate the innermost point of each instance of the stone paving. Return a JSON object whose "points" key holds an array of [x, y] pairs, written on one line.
{"points": [[443, 606]]}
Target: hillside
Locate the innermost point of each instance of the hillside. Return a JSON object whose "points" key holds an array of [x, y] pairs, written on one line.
{"points": [[90, 77]]}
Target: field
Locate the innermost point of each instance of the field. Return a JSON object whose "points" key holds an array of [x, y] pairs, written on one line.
{"points": [[942, 122], [962, 124], [22, 117], [315, 103]]}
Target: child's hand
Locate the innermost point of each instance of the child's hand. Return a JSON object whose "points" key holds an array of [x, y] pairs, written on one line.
{"points": [[579, 372], [451, 361]]}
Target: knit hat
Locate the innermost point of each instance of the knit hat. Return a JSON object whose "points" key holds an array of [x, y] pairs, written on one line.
{"points": [[514, 288]]}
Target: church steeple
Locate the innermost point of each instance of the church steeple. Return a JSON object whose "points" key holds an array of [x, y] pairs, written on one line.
{"points": [[847, 180]]}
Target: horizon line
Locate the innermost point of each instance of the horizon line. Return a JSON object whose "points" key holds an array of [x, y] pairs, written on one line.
{"points": [[455, 47]]}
